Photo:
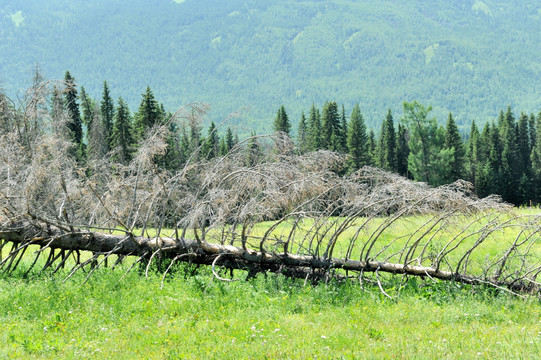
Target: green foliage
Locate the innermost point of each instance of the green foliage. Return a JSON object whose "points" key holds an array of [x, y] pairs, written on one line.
{"points": [[302, 135], [387, 157], [107, 114], [428, 160], [122, 139], [357, 140], [148, 115], [75, 125], [281, 122], [261, 54], [453, 142]]}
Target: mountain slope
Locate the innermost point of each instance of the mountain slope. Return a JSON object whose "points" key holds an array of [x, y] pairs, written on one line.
{"points": [[469, 57]]}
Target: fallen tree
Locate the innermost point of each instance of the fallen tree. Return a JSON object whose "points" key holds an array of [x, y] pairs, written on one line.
{"points": [[284, 213]]}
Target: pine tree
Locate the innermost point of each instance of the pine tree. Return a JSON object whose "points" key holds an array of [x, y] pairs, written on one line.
{"points": [[343, 131], [386, 158], [87, 104], [75, 124], [172, 158], [229, 140], [148, 115], [472, 154], [211, 146], [357, 140], [536, 161], [314, 130], [281, 122], [302, 136], [122, 138], [107, 113], [330, 128], [402, 151], [509, 172], [453, 141], [372, 147]]}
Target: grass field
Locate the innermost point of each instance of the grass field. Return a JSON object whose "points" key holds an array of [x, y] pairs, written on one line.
{"points": [[275, 318], [194, 316]]}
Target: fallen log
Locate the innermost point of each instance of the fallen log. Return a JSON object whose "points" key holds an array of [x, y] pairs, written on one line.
{"points": [[231, 257]]}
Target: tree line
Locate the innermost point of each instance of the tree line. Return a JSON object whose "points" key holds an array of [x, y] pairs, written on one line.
{"points": [[503, 158]]}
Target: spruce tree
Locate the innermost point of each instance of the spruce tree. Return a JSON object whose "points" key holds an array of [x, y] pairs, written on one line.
{"points": [[314, 129], [107, 113], [87, 104], [281, 122], [536, 161], [402, 151], [343, 131], [386, 158], [453, 141], [75, 124], [148, 115], [211, 146], [524, 165], [229, 140], [123, 137], [509, 169], [472, 154], [330, 134], [302, 135], [357, 140]]}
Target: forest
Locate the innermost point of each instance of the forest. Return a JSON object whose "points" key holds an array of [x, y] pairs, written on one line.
{"points": [[469, 57], [502, 158]]}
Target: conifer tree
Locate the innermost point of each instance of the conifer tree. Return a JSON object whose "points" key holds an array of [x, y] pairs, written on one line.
{"points": [[330, 134], [453, 142], [75, 124], [472, 153], [172, 159], [229, 140], [122, 138], [536, 161], [343, 131], [281, 122], [87, 104], [402, 151], [314, 129], [386, 158], [357, 140], [211, 146], [148, 115], [107, 113], [302, 135], [372, 147], [508, 172]]}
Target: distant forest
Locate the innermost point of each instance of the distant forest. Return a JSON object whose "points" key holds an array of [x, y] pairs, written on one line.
{"points": [[503, 157], [467, 57]]}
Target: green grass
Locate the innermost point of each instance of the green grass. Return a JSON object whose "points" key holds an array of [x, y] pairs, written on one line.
{"points": [[194, 316], [198, 317]]}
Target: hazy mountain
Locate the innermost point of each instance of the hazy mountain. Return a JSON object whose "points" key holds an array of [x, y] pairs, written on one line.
{"points": [[469, 57]]}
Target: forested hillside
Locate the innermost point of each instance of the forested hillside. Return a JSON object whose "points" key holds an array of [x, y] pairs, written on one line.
{"points": [[470, 57]]}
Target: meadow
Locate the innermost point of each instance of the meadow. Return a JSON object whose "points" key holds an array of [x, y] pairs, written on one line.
{"points": [[192, 315]]}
